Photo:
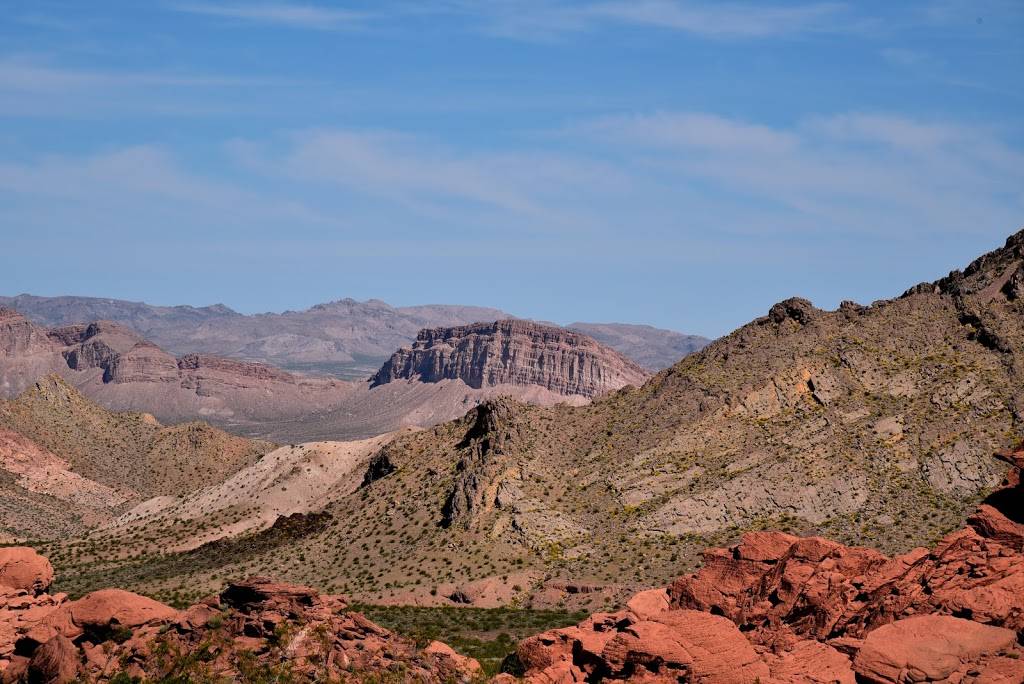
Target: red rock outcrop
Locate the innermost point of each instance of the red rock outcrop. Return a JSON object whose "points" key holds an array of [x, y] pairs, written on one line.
{"points": [[781, 608], [256, 630], [513, 352], [24, 570]]}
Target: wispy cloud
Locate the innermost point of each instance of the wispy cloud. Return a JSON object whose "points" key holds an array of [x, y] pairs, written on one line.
{"points": [[860, 171], [540, 18], [281, 14], [138, 179], [905, 57], [29, 76], [719, 19], [426, 176], [691, 129], [658, 174]]}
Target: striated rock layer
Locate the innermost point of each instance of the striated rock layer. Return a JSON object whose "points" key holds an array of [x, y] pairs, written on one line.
{"points": [[513, 352], [780, 608]]}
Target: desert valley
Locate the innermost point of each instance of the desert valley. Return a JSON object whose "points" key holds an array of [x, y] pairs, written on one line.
{"points": [[515, 465], [511, 341]]}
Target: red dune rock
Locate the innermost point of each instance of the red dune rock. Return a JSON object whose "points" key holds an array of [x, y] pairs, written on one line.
{"points": [[811, 662], [648, 604], [443, 652], [929, 648], [100, 614], [55, 662], [22, 569], [108, 607]]}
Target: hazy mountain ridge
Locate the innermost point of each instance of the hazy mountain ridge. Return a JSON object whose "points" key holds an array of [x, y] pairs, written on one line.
{"points": [[653, 348], [115, 366], [344, 338]]}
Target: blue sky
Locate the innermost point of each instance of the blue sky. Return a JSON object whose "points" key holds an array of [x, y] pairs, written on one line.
{"points": [[684, 164]]}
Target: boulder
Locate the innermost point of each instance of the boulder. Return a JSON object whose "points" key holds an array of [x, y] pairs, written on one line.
{"points": [[929, 648], [24, 570], [55, 662]]}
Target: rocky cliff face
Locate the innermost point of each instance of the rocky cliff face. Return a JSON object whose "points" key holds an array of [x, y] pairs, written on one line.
{"points": [[344, 338], [513, 352], [19, 337], [111, 364]]}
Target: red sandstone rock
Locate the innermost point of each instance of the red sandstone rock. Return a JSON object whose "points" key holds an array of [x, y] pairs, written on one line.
{"points": [[648, 604], [55, 662], [108, 607], [22, 569], [283, 628], [101, 614], [929, 648], [811, 662], [456, 662]]}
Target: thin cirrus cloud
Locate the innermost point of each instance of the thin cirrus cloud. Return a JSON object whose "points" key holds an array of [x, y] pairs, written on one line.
{"points": [[17, 74], [531, 19], [547, 189], [282, 14], [536, 18], [719, 19], [661, 173], [134, 180], [862, 171]]}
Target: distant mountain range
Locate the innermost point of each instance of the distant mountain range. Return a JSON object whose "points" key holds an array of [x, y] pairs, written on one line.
{"points": [[345, 338], [462, 366]]}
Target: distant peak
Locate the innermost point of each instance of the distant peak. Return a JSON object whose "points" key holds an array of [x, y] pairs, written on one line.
{"points": [[54, 389]]}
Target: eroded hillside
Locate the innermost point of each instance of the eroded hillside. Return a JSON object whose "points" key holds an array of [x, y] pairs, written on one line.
{"points": [[871, 424]]}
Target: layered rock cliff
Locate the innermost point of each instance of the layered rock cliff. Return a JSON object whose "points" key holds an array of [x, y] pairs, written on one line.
{"points": [[513, 352]]}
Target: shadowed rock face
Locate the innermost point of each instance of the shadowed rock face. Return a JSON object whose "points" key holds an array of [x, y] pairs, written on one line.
{"points": [[780, 608], [513, 352]]}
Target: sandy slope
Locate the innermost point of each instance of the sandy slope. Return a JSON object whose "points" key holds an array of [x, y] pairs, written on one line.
{"points": [[39, 492], [292, 479]]}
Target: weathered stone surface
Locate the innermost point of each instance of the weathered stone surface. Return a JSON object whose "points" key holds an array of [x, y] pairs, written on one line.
{"points": [[513, 352], [19, 337], [22, 569], [55, 662], [929, 648]]}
